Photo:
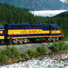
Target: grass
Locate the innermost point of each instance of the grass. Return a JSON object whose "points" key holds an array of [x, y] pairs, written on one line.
{"points": [[33, 53], [42, 50], [25, 55], [13, 53], [65, 31], [3, 58], [58, 46], [9, 53], [66, 47]]}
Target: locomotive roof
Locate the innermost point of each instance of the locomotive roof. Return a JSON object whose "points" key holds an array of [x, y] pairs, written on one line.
{"points": [[18, 24], [54, 25], [1, 27], [25, 24]]}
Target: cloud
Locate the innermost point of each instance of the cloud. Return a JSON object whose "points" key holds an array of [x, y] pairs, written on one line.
{"points": [[48, 13]]}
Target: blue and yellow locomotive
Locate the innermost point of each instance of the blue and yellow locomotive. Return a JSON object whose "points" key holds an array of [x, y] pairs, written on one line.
{"points": [[21, 33]]}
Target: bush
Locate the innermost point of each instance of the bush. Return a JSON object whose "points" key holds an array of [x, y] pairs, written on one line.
{"points": [[61, 45], [25, 55], [3, 58], [32, 53], [57, 46], [42, 50], [2, 52], [12, 52], [8, 51], [15, 52], [66, 47]]}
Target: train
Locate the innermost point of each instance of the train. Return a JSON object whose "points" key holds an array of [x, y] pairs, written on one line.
{"points": [[22, 32]]}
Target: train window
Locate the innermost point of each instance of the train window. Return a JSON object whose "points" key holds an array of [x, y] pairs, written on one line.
{"points": [[46, 26], [19, 26], [35, 26]]}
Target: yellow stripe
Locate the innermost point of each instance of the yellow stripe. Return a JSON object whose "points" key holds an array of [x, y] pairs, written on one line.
{"points": [[33, 37], [32, 31], [1, 37], [1, 29], [27, 31], [56, 32]]}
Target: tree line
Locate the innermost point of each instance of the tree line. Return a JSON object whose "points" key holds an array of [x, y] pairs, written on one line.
{"points": [[11, 14]]}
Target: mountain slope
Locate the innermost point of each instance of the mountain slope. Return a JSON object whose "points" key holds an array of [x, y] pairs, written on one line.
{"points": [[36, 4], [62, 15], [11, 14]]}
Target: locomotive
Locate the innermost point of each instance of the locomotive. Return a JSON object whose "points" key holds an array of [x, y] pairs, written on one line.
{"points": [[22, 32]]}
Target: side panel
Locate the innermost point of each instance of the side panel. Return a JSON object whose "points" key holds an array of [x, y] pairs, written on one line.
{"points": [[27, 33], [56, 33], [32, 33]]}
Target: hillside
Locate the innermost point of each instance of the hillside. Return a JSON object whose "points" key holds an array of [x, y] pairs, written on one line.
{"points": [[62, 15], [11, 14], [38, 4]]}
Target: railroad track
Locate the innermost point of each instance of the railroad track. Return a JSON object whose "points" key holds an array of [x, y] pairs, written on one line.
{"points": [[2, 44], [25, 47]]}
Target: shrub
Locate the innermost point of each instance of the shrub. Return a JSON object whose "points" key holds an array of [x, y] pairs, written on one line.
{"points": [[61, 45], [55, 47], [32, 53], [58, 46], [12, 52], [42, 50], [2, 52], [15, 52], [3, 58], [8, 51], [66, 47], [25, 55]]}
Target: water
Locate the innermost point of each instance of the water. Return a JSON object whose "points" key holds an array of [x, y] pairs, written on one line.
{"points": [[46, 63]]}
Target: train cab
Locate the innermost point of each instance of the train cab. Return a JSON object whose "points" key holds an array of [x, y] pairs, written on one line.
{"points": [[55, 32]]}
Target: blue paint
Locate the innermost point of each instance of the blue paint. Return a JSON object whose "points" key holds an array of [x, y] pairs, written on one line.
{"points": [[32, 35]]}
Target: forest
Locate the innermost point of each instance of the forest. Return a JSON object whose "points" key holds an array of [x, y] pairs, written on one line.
{"points": [[11, 14]]}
